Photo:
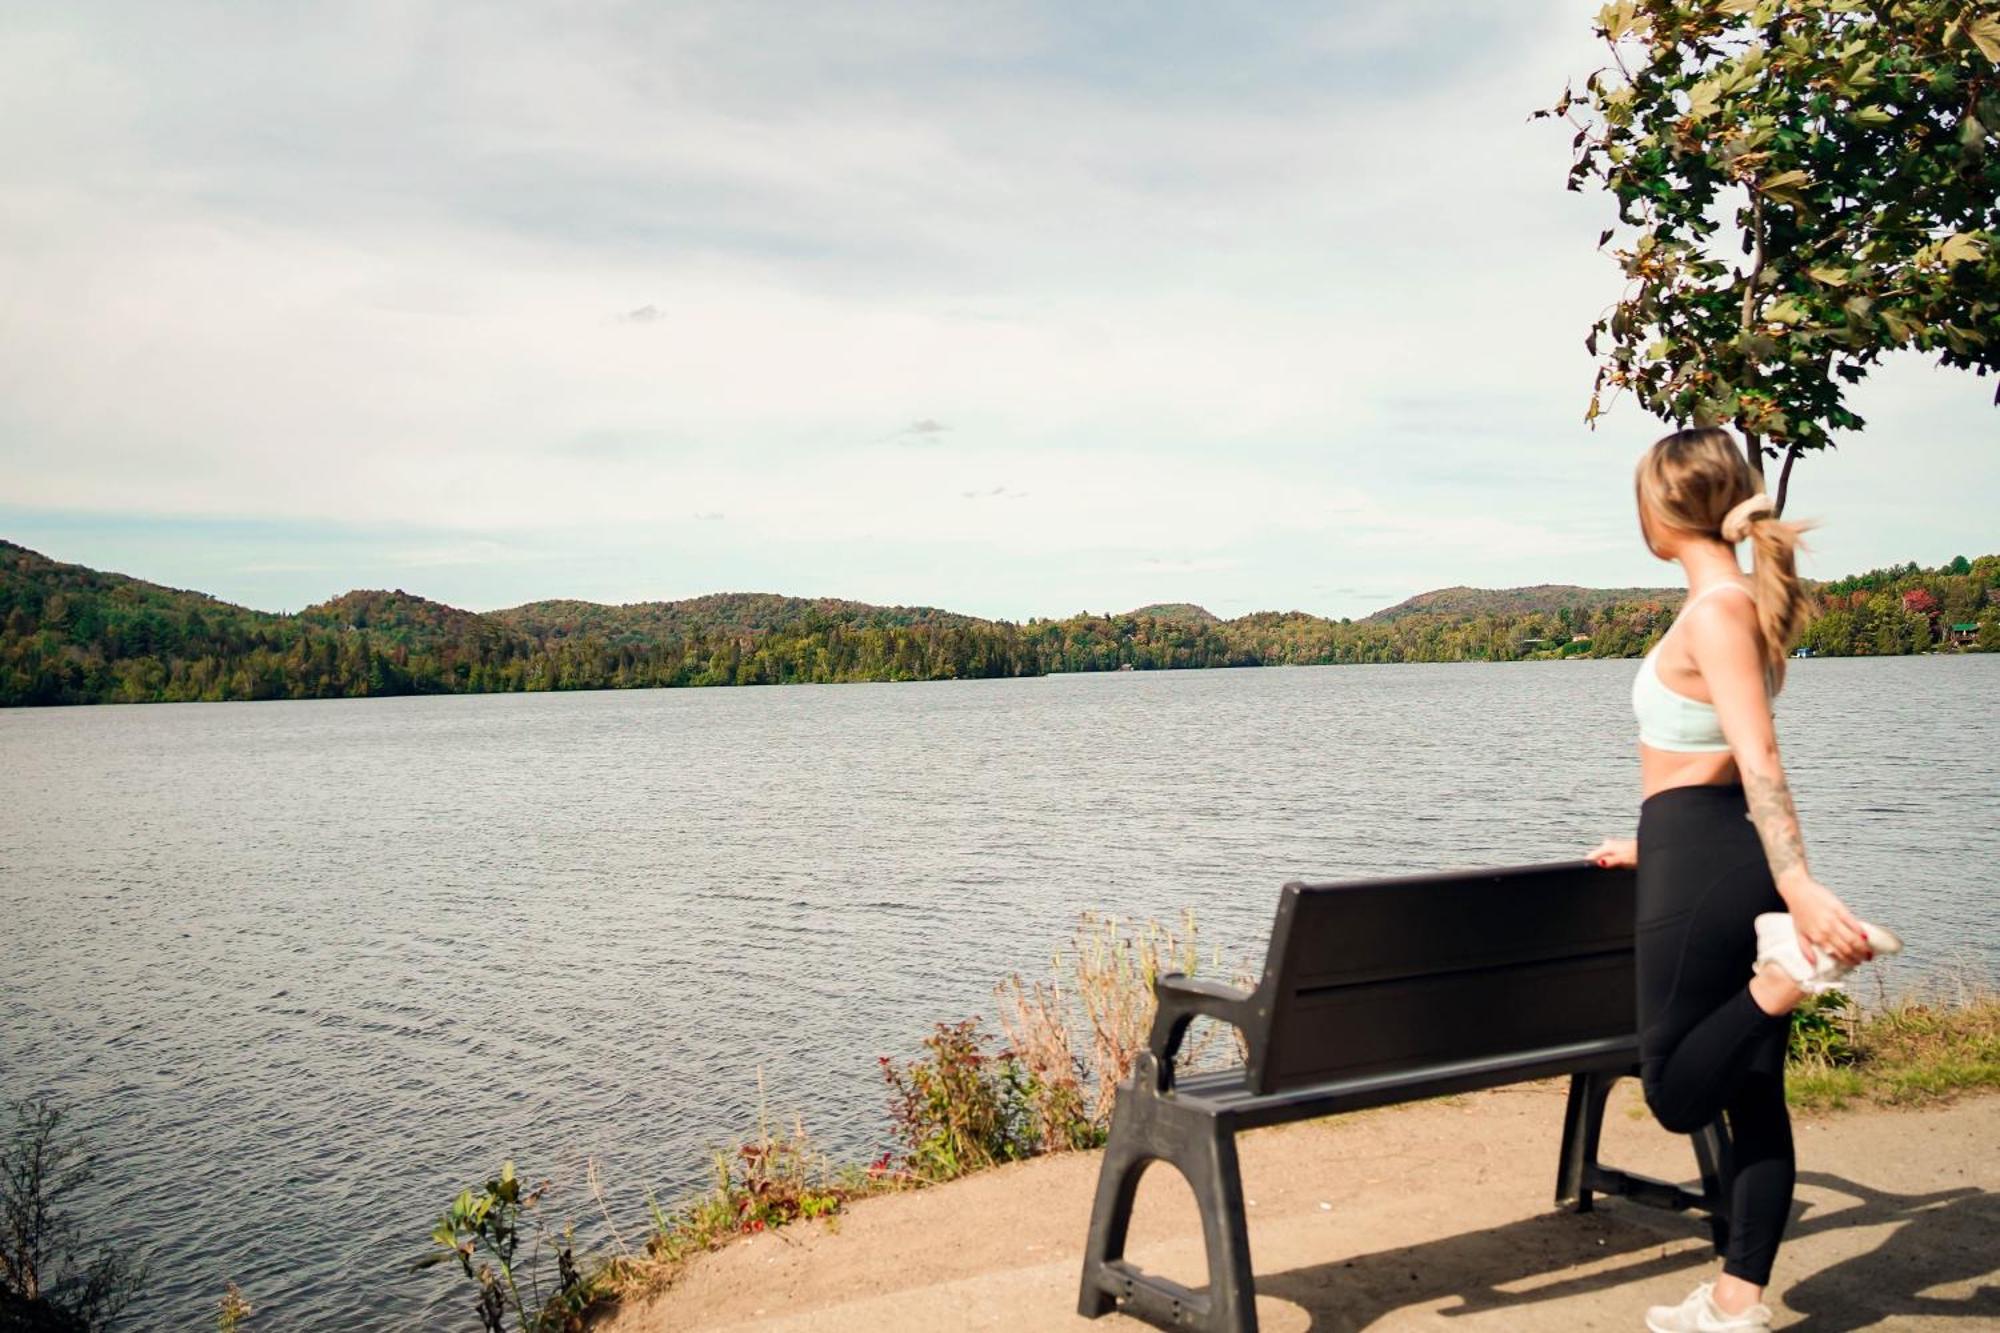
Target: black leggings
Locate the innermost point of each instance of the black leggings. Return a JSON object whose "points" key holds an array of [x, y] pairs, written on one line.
{"points": [[1705, 1048]]}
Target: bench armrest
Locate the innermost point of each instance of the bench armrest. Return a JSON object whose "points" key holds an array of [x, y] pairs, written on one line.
{"points": [[1182, 999]]}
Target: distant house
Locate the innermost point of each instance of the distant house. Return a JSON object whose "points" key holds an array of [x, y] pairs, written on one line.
{"points": [[1579, 638], [1963, 635]]}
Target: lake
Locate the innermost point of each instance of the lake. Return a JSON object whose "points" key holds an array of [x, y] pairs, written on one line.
{"points": [[307, 969]]}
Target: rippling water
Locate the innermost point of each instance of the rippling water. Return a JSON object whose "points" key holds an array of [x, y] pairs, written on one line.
{"points": [[308, 968]]}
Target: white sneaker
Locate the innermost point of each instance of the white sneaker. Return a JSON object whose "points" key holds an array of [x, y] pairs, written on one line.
{"points": [[1778, 943], [1697, 1314]]}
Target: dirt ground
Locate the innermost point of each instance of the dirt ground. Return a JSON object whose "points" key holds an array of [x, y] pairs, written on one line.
{"points": [[1432, 1216]]}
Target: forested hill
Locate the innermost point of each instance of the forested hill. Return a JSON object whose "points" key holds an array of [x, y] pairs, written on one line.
{"points": [[739, 613], [1547, 598], [74, 635]]}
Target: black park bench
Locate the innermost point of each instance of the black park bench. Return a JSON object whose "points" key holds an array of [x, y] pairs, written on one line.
{"points": [[1378, 992]]}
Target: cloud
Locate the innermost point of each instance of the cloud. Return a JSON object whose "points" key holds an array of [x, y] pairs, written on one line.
{"points": [[1167, 275], [1157, 565]]}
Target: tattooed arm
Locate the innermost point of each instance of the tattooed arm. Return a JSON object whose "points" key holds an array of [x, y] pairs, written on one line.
{"points": [[1723, 640], [1772, 811]]}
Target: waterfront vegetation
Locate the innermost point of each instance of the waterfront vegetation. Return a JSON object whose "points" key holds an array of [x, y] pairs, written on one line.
{"points": [[1894, 1054], [975, 1100], [71, 635], [52, 1279]]}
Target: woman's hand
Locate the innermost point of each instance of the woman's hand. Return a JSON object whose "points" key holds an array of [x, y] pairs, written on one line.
{"points": [[1823, 921], [1616, 853]]}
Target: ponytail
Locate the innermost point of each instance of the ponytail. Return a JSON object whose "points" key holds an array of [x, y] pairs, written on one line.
{"points": [[1783, 604]]}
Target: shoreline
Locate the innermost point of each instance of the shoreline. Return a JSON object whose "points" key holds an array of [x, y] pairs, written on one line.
{"points": [[942, 680]]}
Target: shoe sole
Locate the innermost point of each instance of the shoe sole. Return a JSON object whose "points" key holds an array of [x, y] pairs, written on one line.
{"points": [[1881, 939]]}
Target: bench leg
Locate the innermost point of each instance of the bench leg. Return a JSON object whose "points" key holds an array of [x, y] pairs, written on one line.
{"points": [[1125, 1160], [1147, 1129], [1218, 1192], [1579, 1175], [1583, 1127], [1713, 1153]]}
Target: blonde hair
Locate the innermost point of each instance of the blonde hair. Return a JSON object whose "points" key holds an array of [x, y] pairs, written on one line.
{"points": [[1698, 482]]}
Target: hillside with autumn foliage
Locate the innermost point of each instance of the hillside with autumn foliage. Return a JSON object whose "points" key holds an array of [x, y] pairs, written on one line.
{"points": [[71, 635]]}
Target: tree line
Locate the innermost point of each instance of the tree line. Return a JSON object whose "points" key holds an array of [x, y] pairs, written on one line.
{"points": [[70, 635]]}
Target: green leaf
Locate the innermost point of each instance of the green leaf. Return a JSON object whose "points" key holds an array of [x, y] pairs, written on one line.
{"points": [[1870, 115], [1832, 277]]}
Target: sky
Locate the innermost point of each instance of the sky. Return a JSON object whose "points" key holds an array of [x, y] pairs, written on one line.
{"points": [[1016, 309]]}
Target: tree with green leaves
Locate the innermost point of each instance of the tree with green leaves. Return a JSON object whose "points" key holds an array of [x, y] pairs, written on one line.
{"points": [[1803, 186]]}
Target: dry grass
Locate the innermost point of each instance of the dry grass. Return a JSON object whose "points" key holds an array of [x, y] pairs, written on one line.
{"points": [[1078, 1032]]}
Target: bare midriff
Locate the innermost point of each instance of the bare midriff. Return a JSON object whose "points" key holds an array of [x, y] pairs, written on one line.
{"points": [[1660, 770]]}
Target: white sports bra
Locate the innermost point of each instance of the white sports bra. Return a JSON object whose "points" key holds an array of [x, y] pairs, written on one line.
{"points": [[1669, 720]]}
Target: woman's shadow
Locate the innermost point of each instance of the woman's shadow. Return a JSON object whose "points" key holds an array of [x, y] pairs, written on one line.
{"points": [[1949, 1237], [1939, 1239]]}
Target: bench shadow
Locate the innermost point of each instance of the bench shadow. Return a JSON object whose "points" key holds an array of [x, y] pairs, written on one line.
{"points": [[1941, 1238]]}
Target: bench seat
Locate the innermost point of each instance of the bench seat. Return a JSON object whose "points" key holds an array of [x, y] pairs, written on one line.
{"points": [[1227, 1097]]}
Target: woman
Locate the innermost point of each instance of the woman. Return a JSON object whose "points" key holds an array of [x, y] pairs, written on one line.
{"points": [[1733, 930]]}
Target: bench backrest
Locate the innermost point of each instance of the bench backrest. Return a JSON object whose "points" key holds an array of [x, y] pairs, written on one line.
{"points": [[1382, 976]]}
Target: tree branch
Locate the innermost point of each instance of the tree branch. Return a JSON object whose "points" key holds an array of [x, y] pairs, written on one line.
{"points": [[1751, 446], [1756, 261], [1785, 480]]}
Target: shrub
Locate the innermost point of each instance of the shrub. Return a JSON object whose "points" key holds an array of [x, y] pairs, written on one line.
{"points": [[960, 1109], [483, 1232], [1822, 1034], [759, 1186], [46, 1281]]}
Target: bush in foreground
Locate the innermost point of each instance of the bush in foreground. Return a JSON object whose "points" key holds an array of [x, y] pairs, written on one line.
{"points": [[48, 1283]]}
